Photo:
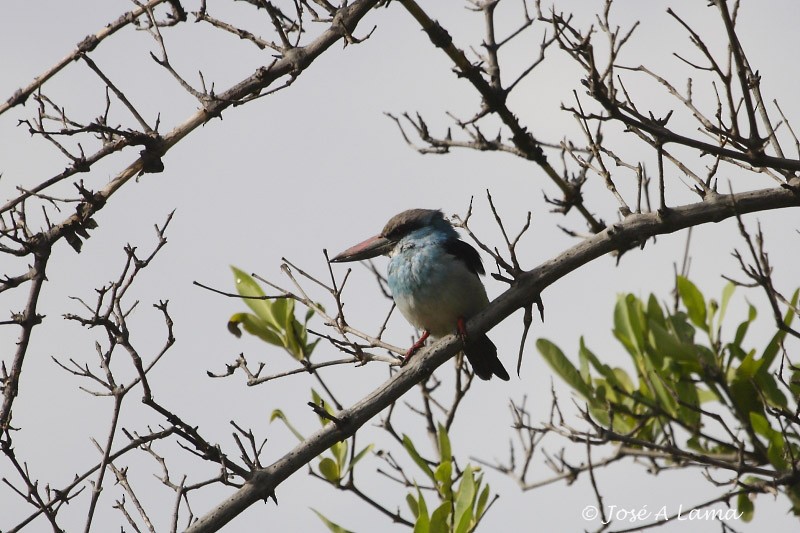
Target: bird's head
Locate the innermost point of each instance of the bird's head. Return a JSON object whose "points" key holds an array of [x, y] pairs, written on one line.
{"points": [[399, 226]]}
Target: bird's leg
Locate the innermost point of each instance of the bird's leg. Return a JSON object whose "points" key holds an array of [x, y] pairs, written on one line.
{"points": [[416, 346], [461, 327]]}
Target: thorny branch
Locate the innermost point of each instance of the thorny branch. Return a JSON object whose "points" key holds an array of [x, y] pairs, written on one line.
{"points": [[84, 143], [736, 133]]}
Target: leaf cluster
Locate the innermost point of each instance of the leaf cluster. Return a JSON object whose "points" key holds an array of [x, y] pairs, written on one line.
{"points": [[693, 395], [460, 509], [272, 320]]}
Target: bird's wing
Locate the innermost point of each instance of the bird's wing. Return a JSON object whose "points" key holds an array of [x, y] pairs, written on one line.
{"points": [[466, 253]]}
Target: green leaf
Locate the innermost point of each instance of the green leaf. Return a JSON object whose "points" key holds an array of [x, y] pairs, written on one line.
{"points": [[775, 344], [760, 424], [315, 397], [705, 396], [247, 286], [745, 398], [278, 414], [443, 475], [294, 333], [623, 380], [254, 326], [483, 499], [693, 300], [423, 523], [335, 528], [749, 366], [690, 402], [464, 525], [282, 309], [628, 323], [727, 292], [310, 347], [329, 469], [741, 331], [563, 367], [776, 452], [339, 451], [412, 504], [679, 325], [693, 443], [769, 388], [600, 413], [607, 372], [713, 307], [439, 518], [745, 506], [654, 312], [583, 363], [417, 458], [771, 350], [465, 495], [360, 455], [658, 381], [669, 345], [318, 401], [444, 443]]}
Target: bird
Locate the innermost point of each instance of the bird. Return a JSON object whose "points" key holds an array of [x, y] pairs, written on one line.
{"points": [[434, 279]]}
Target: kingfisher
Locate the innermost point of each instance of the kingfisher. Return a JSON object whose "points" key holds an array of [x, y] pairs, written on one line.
{"points": [[434, 279]]}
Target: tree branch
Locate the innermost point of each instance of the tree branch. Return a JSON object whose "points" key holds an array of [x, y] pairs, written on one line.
{"points": [[634, 228]]}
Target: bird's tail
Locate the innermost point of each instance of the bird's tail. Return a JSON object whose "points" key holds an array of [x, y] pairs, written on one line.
{"points": [[482, 355]]}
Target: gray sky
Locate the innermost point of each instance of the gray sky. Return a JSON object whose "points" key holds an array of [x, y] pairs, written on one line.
{"points": [[320, 166]]}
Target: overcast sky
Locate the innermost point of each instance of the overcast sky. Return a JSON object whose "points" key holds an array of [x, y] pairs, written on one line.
{"points": [[318, 166]]}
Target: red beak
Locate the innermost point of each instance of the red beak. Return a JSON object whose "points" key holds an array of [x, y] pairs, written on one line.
{"points": [[372, 247]]}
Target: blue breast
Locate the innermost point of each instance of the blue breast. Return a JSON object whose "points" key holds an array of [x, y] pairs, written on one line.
{"points": [[431, 287]]}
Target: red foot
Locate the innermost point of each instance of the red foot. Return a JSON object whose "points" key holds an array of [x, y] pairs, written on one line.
{"points": [[461, 326], [414, 347]]}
